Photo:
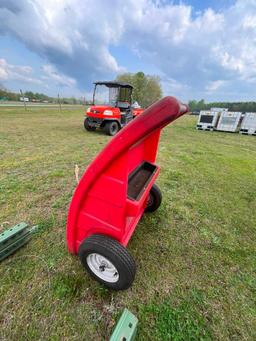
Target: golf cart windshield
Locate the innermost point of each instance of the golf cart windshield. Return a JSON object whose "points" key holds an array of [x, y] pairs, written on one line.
{"points": [[105, 95]]}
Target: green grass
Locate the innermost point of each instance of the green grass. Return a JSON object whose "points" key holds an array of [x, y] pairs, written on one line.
{"points": [[196, 256], [172, 321]]}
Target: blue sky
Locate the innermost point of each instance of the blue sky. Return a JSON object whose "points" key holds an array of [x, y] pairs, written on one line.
{"points": [[200, 49]]}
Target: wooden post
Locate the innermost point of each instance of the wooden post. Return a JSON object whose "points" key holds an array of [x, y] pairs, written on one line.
{"points": [[59, 101], [23, 99]]}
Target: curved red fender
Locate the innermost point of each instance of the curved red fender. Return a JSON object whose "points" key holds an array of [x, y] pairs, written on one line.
{"points": [[100, 203]]}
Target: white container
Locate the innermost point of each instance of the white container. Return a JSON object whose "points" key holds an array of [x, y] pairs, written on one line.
{"points": [[219, 109], [248, 126], [208, 120], [24, 99], [229, 121]]}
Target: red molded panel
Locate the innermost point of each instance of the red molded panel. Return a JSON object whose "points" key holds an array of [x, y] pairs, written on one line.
{"points": [[100, 203]]}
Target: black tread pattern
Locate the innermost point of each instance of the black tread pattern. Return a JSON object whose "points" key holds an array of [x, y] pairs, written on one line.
{"points": [[107, 128], [87, 126], [116, 253], [157, 199], [114, 247]]}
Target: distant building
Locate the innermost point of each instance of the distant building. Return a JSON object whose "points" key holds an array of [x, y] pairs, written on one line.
{"points": [[24, 99]]}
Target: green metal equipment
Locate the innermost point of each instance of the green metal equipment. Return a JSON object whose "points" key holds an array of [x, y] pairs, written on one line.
{"points": [[14, 238], [126, 327]]}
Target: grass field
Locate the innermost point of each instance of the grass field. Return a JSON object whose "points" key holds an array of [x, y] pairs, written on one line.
{"points": [[196, 256]]}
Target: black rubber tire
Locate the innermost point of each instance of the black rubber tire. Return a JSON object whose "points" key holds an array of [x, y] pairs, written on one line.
{"points": [[113, 251], [87, 126], [111, 128], [154, 199]]}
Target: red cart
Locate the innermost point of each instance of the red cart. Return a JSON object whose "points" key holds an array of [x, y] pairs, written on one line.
{"points": [[115, 190]]}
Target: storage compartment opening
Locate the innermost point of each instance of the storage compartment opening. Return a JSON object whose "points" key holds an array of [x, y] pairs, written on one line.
{"points": [[139, 179], [206, 118]]}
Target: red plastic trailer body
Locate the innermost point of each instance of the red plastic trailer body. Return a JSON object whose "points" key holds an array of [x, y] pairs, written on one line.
{"points": [[114, 192]]}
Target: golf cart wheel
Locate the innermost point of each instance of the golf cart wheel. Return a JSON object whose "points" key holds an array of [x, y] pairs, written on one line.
{"points": [[87, 126], [154, 199], [111, 128], [107, 261]]}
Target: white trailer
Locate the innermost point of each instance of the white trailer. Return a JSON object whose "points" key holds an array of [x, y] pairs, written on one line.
{"points": [[229, 121], [248, 126], [24, 99], [208, 120], [219, 109]]}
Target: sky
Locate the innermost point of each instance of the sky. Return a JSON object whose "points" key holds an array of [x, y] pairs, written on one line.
{"points": [[199, 49]]}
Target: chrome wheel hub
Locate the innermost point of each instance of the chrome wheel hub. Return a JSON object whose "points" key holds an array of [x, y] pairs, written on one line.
{"points": [[102, 268]]}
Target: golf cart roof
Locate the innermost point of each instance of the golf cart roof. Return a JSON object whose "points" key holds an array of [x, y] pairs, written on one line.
{"points": [[115, 84]]}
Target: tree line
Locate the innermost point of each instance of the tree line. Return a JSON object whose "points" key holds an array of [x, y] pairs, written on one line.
{"points": [[146, 90], [6, 95], [13, 96], [232, 106]]}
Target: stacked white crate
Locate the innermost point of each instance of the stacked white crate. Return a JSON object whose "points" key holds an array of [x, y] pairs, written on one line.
{"points": [[208, 119], [229, 121], [248, 126]]}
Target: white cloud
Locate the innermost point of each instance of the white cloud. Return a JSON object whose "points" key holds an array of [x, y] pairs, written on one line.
{"points": [[9, 72], [24, 74], [52, 75], [73, 35], [196, 51], [3, 72], [199, 52], [214, 85]]}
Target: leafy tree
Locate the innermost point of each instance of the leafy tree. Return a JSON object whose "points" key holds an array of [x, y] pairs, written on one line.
{"points": [[29, 94], [146, 88], [193, 105], [8, 95]]}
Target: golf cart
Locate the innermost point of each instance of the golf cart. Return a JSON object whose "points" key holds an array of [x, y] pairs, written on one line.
{"points": [[112, 107]]}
